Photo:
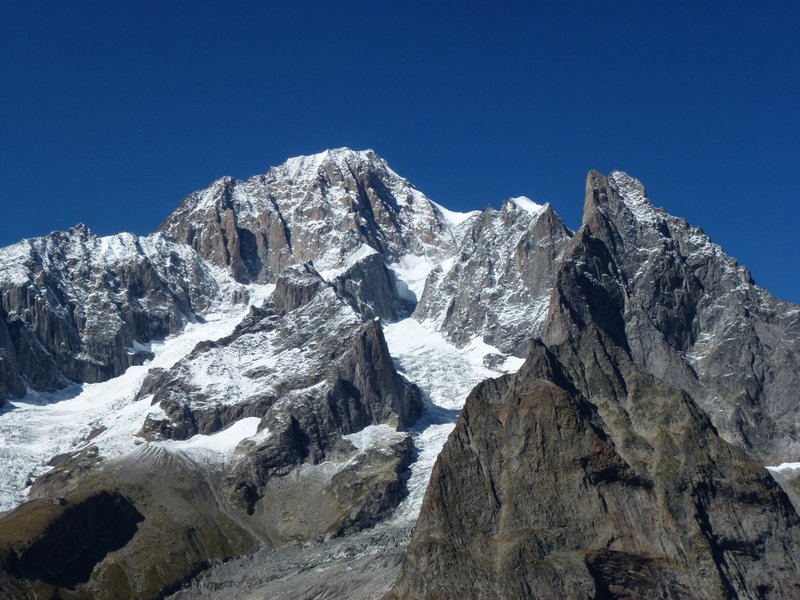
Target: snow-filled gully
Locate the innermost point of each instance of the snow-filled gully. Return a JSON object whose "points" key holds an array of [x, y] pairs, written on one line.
{"points": [[446, 375]]}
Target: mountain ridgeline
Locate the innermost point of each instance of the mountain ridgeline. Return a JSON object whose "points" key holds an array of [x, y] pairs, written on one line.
{"points": [[271, 375]]}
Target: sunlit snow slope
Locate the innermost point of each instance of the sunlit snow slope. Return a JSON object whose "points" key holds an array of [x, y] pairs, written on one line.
{"points": [[39, 426]]}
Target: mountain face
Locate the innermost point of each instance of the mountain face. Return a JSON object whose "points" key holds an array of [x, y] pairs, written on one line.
{"points": [[585, 476], [75, 307], [498, 283], [273, 374], [581, 477], [693, 317], [320, 208]]}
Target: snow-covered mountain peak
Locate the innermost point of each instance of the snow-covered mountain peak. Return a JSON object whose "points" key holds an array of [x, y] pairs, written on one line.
{"points": [[317, 208], [307, 168], [278, 410], [528, 205]]}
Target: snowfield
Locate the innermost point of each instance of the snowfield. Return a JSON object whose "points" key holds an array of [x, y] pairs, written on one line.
{"points": [[39, 426]]}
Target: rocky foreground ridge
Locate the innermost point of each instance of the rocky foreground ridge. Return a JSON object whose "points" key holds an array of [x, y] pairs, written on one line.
{"points": [[272, 374]]}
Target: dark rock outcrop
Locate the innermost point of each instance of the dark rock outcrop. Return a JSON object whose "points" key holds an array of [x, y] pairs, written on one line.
{"points": [[581, 477], [689, 314], [373, 290], [289, 502], [365, 388], [295, 287]]}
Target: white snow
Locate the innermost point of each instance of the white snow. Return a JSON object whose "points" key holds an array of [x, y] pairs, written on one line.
{"points": [[634, 196], [453, 218], [306, 168], [527, 204], [446, 375], [39, 426], [13, 259], [787, 466], [413, 271], [363, 251], [218, 446], [370, 436]]}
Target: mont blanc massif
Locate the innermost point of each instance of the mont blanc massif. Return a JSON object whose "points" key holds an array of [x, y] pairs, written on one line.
{"points": [[319, 383]]}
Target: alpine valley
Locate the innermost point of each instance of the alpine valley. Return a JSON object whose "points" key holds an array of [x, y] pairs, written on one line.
{"points": [[319, 383]]}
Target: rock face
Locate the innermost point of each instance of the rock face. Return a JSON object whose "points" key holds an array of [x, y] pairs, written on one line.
{"points": [[313, 366], [305, 357], [693, 317], [318, 208], [581, 477], [586, 475], [78, 308], [288, 502], [498, 283]]}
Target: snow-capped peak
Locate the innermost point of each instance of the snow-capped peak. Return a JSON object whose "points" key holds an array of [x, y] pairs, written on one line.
{"points": [[306, 168], [527, 204]]}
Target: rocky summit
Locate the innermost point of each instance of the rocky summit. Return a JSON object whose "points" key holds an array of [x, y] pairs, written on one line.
{"points": [[320, 383]]}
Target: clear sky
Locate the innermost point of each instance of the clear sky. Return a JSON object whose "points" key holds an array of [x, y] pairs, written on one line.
{"points": [[112, 112]]}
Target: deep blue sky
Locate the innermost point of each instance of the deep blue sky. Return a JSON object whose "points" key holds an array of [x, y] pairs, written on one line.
{"points": [[111, 112]]}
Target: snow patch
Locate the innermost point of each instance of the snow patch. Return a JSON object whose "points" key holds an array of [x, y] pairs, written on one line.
{"points": [[634, 197], [360, 253], [412, 271], [371, 436], [786, 467], [453, 218], [216, 446], [527, 205]]}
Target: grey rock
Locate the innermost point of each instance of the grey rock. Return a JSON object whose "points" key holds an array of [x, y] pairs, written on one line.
{"points": [[499, 284], [295, 287], [582, 477], [691, 316], [78, 308], [317, 208], [361, 388], [373, 290]]}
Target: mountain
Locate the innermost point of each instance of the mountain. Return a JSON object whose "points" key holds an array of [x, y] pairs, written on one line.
{"points": [[76, 307], [273, 374], [498, 283], [318, 208], [586, 474]]}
